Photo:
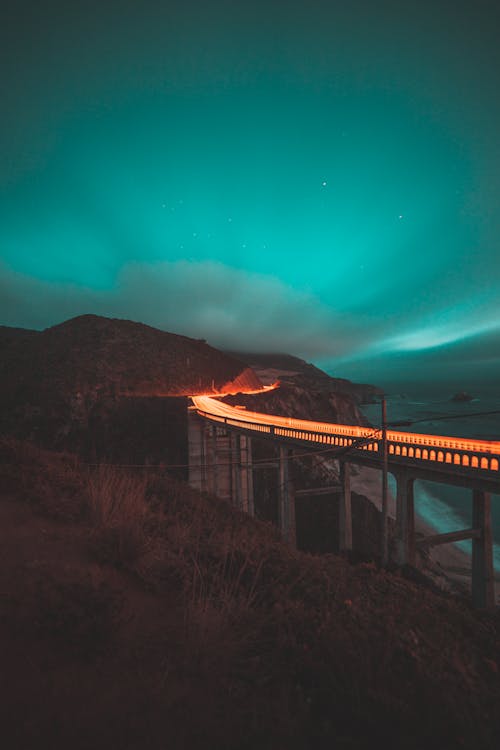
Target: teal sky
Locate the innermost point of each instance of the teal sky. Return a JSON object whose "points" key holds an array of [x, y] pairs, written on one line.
{"points": [[321, 178]]}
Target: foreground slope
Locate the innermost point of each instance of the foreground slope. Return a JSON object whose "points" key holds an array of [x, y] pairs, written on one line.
{"points": [[168, 619]]}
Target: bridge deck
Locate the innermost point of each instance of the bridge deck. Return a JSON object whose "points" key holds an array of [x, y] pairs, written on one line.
{"points": [[438, 458]]}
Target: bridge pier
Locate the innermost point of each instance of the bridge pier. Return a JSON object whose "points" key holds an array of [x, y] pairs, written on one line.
{"points": [[197, 452], [405, 519], [220, 462], [286, 500], [247, 497], [215, 461], [345, 509], [483, 582], [235, 455]]}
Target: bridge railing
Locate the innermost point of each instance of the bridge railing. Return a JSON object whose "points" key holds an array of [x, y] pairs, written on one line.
{"points": [[477, 455]]}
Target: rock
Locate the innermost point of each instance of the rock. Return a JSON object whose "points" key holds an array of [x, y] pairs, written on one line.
{"points": [[461, 396]]}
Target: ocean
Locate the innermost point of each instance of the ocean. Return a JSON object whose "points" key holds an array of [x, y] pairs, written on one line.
{"points": [[444, 507]]}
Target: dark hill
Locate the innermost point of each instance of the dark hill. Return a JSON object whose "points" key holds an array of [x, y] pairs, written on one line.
{"points": [[91, 353], [58, 382]]}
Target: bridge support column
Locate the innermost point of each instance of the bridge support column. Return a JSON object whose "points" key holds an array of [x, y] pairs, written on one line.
{"points": [[197, 452], [215, 460], [286, 508], [483, 583], [235, 445], [224, 475], [246, 474], [405, 519], [345, 509]]}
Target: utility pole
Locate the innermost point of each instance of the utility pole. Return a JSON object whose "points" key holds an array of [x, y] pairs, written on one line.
{"points": [[384, 545]]}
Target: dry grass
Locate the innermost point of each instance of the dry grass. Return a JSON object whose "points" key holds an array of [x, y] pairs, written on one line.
{"points": [[265, 646], [120, 515], [116, 498]]}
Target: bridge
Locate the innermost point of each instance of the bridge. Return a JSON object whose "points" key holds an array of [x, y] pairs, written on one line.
{"points": [[220, 439]]}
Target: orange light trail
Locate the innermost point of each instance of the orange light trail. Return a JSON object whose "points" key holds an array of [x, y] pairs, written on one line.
{"points": [[399, 441]]}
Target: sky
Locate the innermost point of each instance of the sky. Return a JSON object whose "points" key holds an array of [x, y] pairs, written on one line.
{"points": [[320, 178]]}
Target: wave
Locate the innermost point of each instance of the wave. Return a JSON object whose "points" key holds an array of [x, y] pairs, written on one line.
{"points": [[438, 514]]}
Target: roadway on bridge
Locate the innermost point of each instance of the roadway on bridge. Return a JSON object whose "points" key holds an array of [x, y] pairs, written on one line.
{"points": [[210, 405]]}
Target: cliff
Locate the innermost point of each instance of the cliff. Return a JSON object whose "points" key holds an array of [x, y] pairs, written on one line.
{"points": [[287, 368]]}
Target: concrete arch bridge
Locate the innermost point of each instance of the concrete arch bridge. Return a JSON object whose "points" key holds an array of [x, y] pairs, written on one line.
{"points": [[220, 458]]}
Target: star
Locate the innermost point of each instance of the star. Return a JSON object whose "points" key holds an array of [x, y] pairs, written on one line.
{"points": [[323, 183]]}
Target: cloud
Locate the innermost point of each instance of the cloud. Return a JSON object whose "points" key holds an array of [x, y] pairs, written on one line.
{"points": [[472, 363], [235, 309], [229, 307]]}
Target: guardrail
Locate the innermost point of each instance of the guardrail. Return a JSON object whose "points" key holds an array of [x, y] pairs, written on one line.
{"points": [[476, 455]]}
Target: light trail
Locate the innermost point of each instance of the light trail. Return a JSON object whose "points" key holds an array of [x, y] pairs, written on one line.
{"points": [[235, 392], [476, 454]]}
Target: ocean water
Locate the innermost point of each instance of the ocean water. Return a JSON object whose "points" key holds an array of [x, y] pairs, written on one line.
{"points": [[444, 507]]}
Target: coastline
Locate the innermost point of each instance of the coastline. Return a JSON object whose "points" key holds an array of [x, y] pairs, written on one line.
{"points": [[447, 565]]}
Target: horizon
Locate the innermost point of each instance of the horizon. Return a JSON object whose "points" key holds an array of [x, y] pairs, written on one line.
{"points": [[321, 181]]}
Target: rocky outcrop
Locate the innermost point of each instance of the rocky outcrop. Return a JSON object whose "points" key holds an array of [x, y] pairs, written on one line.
{"points": [[305, 391], [462, 396], [289, 369], [303, 400], [247, 380]]}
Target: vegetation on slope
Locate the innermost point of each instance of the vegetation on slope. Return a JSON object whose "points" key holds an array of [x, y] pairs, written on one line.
{"points": [[141, 614], [92, 352], [66, 385]]}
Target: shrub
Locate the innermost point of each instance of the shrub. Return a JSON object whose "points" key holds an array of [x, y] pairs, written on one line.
{"points": [[120, 514]]}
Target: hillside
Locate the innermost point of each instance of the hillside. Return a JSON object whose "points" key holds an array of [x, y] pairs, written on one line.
{"points": [[289, 369], [58, 382], [92, 353], [136, 613]]}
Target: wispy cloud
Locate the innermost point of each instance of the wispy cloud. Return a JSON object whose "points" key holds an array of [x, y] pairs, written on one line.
{"points": [[236, 309], [229, 307]]}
